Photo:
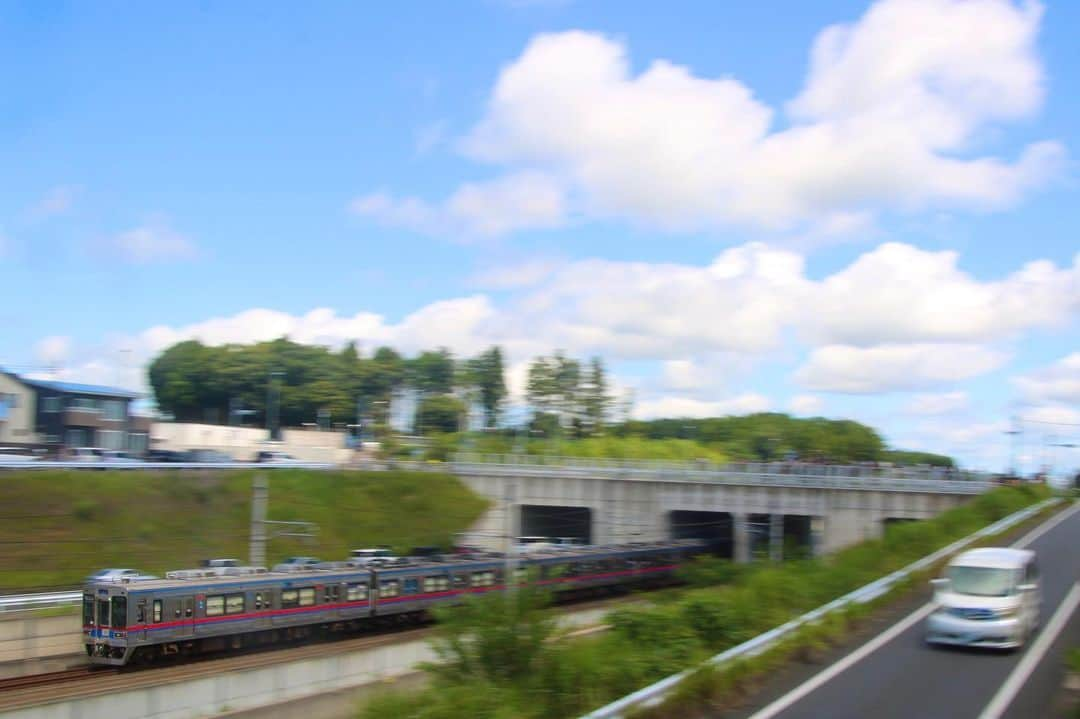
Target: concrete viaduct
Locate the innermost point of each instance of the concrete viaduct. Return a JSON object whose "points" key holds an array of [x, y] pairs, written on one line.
{"points": [[743, 509]]}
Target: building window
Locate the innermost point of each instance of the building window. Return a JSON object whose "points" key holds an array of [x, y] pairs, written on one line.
{"points": [[111, 438], [51, 404], [138, 442], [87, 404], [113, 409], [76, 438]]}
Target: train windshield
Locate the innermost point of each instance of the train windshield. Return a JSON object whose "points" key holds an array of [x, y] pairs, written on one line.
{"points": [[103, 612], [119, 612], [88, 610]]}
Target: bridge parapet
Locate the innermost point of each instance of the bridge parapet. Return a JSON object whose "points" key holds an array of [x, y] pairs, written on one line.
{"points": [[760, 474]]}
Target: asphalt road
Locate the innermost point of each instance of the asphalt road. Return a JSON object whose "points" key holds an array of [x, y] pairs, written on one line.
{"points": [[896, 675]]}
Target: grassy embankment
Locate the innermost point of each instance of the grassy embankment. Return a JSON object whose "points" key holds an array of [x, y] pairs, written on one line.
{"points": [[563, 679], [57, 526]]}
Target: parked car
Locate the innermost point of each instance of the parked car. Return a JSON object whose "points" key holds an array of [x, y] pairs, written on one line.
{"points": [[164, 455], [269, 456], [117, 575], [372, 556], [293, 564], [206, 455], [17, 455], [101, 456], [989, 597]]}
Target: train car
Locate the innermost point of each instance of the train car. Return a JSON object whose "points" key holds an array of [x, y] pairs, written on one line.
{"points": [[194, 611], [221, 608]]}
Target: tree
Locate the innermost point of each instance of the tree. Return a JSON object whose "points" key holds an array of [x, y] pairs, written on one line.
{"points": [[180, 378], [432, 372], [439, 413], [596, 403], [554, 386], [485, 373]]}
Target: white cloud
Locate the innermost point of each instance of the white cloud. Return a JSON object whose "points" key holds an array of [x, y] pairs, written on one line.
{"points": [[806, 404], [53, 350], [675, 406], [1066, 418], [518, 201], [886, 119], [898, 293], [1060, 382], [887, 368], [56, 201], [151, 243], [935, 404]]}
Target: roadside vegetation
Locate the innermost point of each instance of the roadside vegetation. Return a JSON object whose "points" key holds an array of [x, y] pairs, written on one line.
{"points": [[58, 526], [499, 664]]}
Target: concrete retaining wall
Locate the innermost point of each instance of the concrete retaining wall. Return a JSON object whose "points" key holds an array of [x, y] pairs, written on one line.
{"points": [[27, 637], [241, 443]]}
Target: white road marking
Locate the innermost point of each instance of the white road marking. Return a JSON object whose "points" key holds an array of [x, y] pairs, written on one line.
{"points": [[1033, 656], [870, 647]]}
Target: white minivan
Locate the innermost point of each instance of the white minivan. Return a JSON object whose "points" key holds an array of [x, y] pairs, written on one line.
{"points": [[989, 597]]}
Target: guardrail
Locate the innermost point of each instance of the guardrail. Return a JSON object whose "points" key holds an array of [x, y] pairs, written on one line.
{"points": [[655, 693], [48, 464], [769, 476], [23, 602]]}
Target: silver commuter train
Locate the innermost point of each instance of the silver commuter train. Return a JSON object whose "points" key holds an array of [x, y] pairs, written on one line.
{"points": [[216, 609]]}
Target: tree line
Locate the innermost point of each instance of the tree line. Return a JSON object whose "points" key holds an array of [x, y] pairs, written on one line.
{"points": [[569, 400]]}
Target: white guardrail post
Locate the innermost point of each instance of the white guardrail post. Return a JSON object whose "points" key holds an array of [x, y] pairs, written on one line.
{"points": [[655, 693]]}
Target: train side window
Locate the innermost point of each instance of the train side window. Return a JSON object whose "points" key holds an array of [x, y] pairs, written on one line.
{"points": [[234, 604], [389, 588], [461, 581], [177, 610], [119, 612], [307, 596], [412, 586], [258, 600], [289, 598], [215, 605], [356, 592], [157, 611], [140, 613], [483, 579], [189, 607]]}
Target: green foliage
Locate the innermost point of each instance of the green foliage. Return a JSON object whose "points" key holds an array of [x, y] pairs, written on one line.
{"points": [[710, 571], [907, 458], [566, 399], [769, 436], [58, 526], [1072, 660], [495, 638], [485, 374], [439, 413]]}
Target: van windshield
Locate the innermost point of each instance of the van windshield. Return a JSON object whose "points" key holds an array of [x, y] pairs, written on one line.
{"points": [[981, 581]]}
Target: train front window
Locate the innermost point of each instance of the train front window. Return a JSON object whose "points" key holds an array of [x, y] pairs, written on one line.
{"points": [[103, 612], [119, 612], [88, 610]]}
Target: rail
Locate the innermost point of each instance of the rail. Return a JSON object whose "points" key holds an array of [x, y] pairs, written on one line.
{"points": [[655, 693]]}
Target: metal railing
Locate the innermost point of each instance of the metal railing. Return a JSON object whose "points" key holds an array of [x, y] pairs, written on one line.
{"points": [[657, 692], [778, 474], [23, 602], [47, 464]]}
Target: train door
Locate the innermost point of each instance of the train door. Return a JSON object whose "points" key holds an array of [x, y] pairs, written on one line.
{"points": [[187, 618], [142, 618]]}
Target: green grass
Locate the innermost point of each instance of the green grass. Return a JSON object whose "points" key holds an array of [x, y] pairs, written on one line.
{"points": [[57, 526], [1072, 659]]}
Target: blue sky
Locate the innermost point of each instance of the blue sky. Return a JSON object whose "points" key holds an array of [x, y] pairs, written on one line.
{"points": [[829, 207]]}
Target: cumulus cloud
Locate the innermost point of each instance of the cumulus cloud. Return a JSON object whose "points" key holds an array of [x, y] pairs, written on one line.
{"points": [[935, 404], [528, 273], [52, 350], [888, 368], [675, 406], [898, 293], [517, 201], [1060, 382], [885, 120], [806, 404], [151, 243]]}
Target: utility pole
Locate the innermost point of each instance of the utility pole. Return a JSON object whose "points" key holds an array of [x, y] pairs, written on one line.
{"points": [[260, 495], [1013, 432], [510, 562]]}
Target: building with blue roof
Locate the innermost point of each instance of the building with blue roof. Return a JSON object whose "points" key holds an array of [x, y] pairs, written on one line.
{"points": [[59, 416]]}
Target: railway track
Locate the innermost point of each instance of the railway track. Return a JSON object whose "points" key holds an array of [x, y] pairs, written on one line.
{"points": [[87, 681]]}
